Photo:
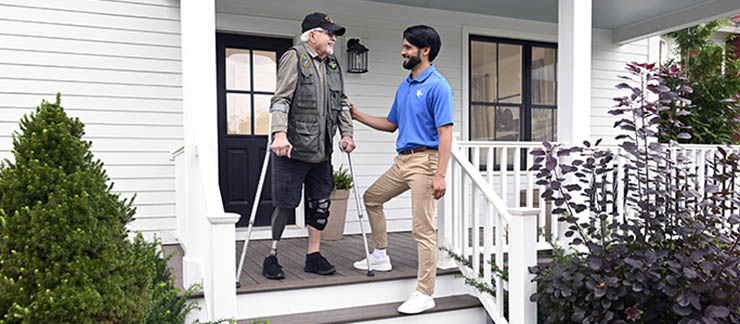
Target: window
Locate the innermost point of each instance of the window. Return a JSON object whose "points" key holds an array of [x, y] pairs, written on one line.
{"points": [[513, 90]]}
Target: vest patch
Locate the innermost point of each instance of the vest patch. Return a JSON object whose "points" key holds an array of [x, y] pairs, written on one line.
{"points": [[333, 65], [305, 60]]}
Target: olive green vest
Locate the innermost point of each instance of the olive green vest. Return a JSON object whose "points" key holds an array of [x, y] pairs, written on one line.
{"points": [[310, 127]]}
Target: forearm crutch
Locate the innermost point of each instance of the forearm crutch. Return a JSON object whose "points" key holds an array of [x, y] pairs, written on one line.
{"points": [[370, 272], [255, 204]]}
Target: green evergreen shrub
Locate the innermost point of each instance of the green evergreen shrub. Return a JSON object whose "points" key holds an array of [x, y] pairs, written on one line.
{"points": [[167, 304], [64, 252]]}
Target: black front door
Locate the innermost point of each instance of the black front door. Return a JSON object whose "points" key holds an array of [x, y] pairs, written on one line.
{"points": [[247, 71]]}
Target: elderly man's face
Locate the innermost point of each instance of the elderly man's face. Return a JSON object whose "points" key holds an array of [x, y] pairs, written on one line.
{"points": [[323, 42]]}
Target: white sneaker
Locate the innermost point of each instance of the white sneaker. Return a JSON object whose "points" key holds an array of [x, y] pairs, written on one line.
{"points": [[382, 264], [416, 304]]}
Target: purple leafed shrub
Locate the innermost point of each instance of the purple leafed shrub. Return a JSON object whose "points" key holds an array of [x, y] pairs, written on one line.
{"points": [[652, 241]]}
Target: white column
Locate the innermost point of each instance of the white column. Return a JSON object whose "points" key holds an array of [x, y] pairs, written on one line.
{"points": [[574, 83], [198, 47], [574, 71], [522, 255]]}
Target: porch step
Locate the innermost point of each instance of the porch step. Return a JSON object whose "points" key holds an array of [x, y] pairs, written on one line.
{"points": [[458, 307], [281, 302]]}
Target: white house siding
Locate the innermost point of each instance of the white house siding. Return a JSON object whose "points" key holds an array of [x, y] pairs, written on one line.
{"points": [[608, 62], [117, 66], [380, 26]]}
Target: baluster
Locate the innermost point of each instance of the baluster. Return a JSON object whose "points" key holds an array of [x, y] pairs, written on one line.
{"points": [[530, 179], [517, 176], [499, 244], [504, 166], [474, 215]]}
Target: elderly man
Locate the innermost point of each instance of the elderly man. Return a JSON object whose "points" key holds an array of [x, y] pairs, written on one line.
{"points": [[308, 106]]}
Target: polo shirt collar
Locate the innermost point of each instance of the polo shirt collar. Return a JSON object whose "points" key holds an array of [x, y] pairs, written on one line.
{"points": [[423, 76]]}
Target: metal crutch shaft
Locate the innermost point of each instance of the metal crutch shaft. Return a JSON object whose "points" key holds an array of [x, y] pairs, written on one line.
{"points": [[370, 272], [255, 204]]}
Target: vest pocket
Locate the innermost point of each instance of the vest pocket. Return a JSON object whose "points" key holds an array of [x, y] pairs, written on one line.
{"points": [[307, 135], [305, 95]]}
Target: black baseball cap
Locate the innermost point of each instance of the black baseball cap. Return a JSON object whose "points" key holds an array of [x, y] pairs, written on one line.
{"points": [[318, 19]]}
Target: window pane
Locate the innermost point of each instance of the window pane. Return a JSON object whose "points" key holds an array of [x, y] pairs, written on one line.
{"points": [[482, 123], [544, 89], [483, 71], [542, 125], [262, 114], [265, 70], [507, 123], [237, 69], [510, 73], [238, 112]]}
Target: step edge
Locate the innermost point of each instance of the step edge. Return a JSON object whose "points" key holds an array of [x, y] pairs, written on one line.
{"points": [[473, 303]]}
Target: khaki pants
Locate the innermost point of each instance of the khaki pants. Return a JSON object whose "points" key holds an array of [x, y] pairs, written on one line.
{"points": [[413, 171]]}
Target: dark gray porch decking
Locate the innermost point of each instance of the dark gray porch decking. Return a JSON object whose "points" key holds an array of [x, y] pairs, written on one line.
{"points": [[292, 255], [342, 254]]}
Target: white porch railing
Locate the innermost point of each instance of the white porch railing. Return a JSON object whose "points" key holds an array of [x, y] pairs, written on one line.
{"points": [[206, 233], [492, 191], [472, 208], [506, 169]]}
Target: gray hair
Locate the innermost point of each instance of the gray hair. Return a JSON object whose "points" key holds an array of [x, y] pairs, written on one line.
{"points": [[305, 36]]}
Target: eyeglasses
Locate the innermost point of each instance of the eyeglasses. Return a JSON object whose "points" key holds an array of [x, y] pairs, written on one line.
{"points": [[328, 32]]}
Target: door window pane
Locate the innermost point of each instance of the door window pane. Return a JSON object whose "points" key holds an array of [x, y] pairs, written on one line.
{"points": [[543, 70], [510, 73], [542, 125], [265, 70], [238, 112], [483, 71], [262, 114], [507, 123], [237, 69], [482, 120]]}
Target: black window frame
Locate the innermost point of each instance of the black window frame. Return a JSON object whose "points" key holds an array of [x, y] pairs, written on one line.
{"points": [[526, 105]]}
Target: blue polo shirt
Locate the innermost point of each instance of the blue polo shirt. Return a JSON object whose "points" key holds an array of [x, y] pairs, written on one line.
{"points": [[421, 105]]}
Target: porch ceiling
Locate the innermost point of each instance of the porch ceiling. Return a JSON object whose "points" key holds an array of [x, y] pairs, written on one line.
{"points": [[628, 19]]}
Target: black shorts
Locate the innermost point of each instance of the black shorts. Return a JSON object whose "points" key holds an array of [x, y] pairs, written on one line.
{"points": [[289, 175]]}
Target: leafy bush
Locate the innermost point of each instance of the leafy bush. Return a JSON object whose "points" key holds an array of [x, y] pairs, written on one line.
{"points": [[673, 258], [64, 252], [714, 77], [167, 304], [342, 179]]}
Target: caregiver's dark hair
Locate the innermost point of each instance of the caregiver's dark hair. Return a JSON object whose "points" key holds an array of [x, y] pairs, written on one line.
{"points": [[424, 36]]}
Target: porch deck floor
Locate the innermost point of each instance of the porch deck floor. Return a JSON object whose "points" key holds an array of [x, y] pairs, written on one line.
{"points": [[342, 254], [292, 256]]}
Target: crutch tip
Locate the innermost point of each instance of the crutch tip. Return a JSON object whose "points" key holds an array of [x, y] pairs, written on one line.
{"points": [[371, 273]]}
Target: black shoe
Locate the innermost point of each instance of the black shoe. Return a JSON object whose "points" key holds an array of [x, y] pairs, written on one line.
{"points": [[315, 263], [271, 269]]}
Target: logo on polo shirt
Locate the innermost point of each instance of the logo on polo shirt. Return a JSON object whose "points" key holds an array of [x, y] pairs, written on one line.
{"points": [[419, 93]]}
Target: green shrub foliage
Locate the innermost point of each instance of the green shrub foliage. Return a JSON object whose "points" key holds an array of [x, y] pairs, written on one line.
{"points": [[342, 179], [64, 252], [167, 304], [715, 80]]}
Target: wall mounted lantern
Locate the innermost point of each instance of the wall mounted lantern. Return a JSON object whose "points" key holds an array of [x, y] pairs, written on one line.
{"points": [[356, 56]]}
